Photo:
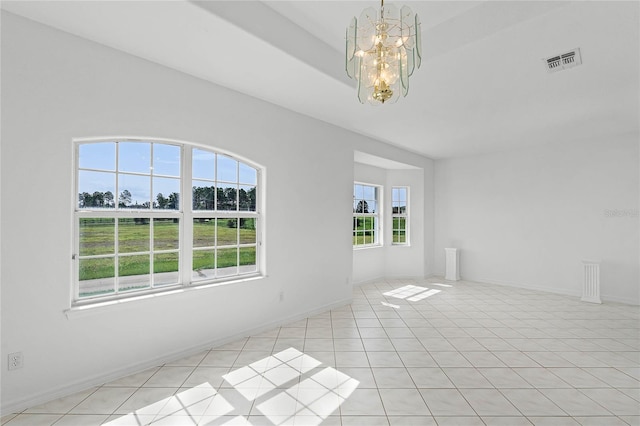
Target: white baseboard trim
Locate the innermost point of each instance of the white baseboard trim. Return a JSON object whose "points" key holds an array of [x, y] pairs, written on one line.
{"points": [[15, 406], [564, 292]]}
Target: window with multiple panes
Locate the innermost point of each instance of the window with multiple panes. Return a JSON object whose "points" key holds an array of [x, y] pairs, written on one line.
{"points": [[154, 215], [365, 215], [399, 212]]}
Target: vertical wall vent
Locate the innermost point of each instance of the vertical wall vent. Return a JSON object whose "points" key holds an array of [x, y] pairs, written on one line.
{"points": [[563, 61]]}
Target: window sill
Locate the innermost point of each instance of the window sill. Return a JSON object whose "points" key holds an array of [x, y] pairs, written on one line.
{"points": [[86, 309], [371, 246]]}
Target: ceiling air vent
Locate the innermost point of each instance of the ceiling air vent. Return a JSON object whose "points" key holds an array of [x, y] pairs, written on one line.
{"points": [[564, 61]]}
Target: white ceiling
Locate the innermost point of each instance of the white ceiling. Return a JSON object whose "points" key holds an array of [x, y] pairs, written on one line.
{"points": [[482, 87]]}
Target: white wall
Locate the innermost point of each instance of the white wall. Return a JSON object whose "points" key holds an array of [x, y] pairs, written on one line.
{"points": [[56, 87], [529, 217]]}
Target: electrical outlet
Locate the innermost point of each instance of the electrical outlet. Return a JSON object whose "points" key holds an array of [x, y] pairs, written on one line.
{"points": [[16, 360]]}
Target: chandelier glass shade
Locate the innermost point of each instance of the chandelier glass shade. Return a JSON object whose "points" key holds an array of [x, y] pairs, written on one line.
{"points": [[383, 48]]}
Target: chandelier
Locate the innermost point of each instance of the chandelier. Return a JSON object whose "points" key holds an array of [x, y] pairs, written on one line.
{"points": [[383, 49]]}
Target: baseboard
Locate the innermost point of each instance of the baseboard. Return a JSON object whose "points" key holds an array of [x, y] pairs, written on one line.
{"points": [[563, 292], [9, 407]]}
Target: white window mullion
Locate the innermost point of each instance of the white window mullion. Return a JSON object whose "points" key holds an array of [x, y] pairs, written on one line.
{"points": [[186, 204], [151, 253], [116, 257]]}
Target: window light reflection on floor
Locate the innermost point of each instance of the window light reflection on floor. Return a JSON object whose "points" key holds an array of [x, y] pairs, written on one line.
{"points": [[412, 293], [313, 399], [287, 386]]}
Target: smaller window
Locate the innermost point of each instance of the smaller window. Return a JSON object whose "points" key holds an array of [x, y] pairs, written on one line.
{"points": [[365, 215], [399, 214]]}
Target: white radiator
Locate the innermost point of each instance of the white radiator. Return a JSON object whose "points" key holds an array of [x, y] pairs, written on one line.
{"points": [[591, 285]]}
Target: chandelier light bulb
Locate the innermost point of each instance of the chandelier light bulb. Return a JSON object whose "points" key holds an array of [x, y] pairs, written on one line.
{"points": [[382, 50]]}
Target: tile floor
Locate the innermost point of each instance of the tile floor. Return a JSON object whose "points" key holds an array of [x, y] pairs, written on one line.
{"points": [[404, 352]]}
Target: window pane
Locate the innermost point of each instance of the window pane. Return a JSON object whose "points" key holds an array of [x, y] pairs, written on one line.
{"points": [[227, 232], [134, 157], [166, 234], [248, 175], [133, 235], [227, 169], [247, 260], [134, 191], [203, 164], [165, 268], [358, 192], [227, 198], [97, 236], [167, 192], [247, 231], [204, 232], [203, 195], [203, 264], [166, 160], [372, 206], [96, 189], [369, 237], [101, 156], [247, 198], [96, 276], [134, 272], [227, 261], [369, 192]]}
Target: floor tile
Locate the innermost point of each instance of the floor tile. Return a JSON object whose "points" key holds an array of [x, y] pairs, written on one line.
{"points": [[466, 377], [417, 359], [532, 402], [504, 378], [363, 402], [412, 420], [489, 402], [615, 401], [392, 377], [554, 421], [384, 359], [446, 402], [574, 403], [450, 359], [62, 405], [403, 402], [103, 401], [169, 377], [459, 421], [81, 420], [33, 419]]}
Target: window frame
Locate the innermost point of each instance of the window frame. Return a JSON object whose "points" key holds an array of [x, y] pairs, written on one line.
{"points": [[377, 222], [404, 216], [185, 215]]}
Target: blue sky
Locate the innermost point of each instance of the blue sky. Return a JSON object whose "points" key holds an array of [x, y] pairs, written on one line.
{"points": [[135, 157]]}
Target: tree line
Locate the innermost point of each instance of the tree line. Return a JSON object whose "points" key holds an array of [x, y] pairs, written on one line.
{"points": [[203, 199]]}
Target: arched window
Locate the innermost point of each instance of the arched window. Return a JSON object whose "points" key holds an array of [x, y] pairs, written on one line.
{"points": [[153, 215]]}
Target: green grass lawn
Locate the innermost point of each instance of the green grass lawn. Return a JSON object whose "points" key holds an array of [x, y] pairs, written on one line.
{"points": [[97, 237]]}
